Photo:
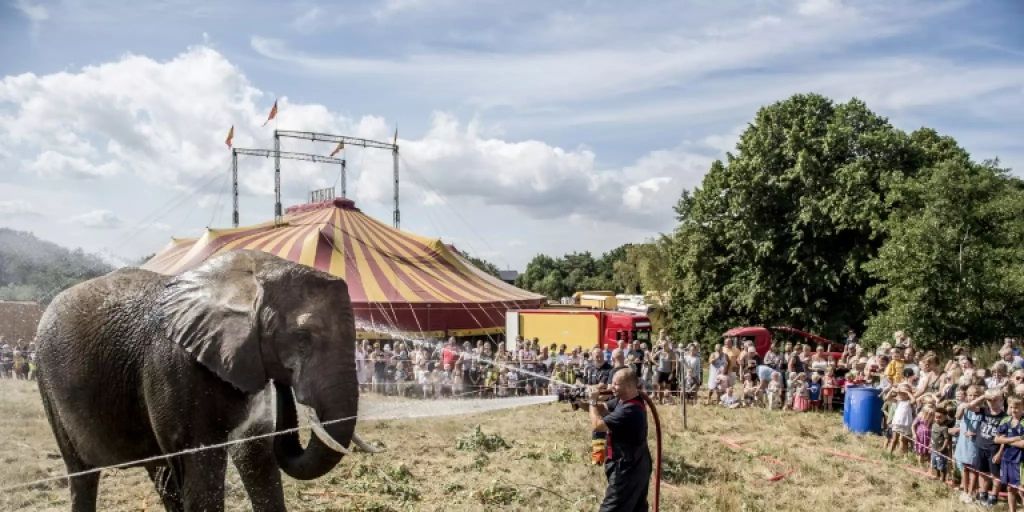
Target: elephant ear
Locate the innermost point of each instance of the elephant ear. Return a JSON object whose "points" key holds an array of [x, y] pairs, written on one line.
{"points": [[212, 312]]}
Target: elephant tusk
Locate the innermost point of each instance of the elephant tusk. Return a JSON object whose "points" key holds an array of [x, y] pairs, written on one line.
{"points": [[363, 446], [319, 432]]}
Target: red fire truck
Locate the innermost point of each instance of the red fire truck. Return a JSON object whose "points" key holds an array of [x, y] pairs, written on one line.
{"points": [[762, 338]]}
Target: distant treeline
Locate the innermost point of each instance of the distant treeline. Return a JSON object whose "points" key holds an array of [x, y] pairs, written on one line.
{"points": [[36, 270], [629, 268]]}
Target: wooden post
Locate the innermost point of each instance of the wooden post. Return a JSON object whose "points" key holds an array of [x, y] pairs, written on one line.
{"points": [[683, 394]]}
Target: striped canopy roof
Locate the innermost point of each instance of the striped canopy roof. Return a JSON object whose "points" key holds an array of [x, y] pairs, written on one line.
{"points": [[396, 280]]}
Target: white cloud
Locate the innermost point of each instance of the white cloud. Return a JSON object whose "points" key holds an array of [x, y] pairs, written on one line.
{"points": [[17, 207], [569, 73], [51, 164], [165, 122], [823, 8], [310, 18], [453, 162], [36, 13], [388, 8], [635, 195], [97, 219]]}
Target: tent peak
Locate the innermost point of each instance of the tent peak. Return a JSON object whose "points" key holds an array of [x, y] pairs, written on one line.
{"points": [[337, 202]]}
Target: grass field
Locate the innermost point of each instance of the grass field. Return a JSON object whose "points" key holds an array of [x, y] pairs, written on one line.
{"points": [[543, 464]]}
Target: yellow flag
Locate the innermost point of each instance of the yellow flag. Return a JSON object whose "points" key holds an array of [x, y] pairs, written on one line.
{"points": [[341, 146], [231, 135]]}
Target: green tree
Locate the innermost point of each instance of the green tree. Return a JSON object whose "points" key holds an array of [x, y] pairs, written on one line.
{"points": [[951, 268], [484, 265], [535, 274], [780, 232], [573, 272], [645, 267]]}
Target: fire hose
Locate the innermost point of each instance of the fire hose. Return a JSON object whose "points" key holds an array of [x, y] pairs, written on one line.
{"points": [[576, 396], [657, 458]]}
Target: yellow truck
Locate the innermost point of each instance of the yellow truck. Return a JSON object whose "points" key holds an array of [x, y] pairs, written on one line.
{"points": [[596, 299], [576, 327]]}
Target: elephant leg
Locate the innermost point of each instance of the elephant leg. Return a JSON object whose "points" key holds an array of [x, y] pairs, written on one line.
{"points": [[167, 486], [203, 480], [85, 487], [260, 475], [83, 492]]}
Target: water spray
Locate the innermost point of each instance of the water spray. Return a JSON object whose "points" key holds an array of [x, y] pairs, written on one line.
{"points": [[572, 393]]}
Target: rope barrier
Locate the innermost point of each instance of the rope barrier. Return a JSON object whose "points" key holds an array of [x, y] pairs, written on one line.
{"points": [[187, 451], [217, 446], [932, 451]]}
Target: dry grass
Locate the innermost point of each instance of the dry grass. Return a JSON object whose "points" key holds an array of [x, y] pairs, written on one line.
{"points": [[546, 466]]}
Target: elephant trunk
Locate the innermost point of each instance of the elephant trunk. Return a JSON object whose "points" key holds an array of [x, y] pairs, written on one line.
{"points": [[317, 458]]}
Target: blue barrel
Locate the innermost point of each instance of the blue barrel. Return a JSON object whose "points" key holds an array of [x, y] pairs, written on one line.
{"points": [[863, 410], [846, 406]]}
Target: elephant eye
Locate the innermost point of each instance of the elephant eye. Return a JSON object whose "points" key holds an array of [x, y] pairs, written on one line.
{"points": [[303, 338]]}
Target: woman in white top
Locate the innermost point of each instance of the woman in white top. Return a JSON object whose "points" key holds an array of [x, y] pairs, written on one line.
{"points": [[716, 366]]}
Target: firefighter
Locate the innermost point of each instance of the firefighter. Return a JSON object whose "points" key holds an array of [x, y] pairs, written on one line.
{"points": [[627, 464]]}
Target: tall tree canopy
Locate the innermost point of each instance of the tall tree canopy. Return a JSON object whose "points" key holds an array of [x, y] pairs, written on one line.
{"points": [[951, 268], [783, 230]]}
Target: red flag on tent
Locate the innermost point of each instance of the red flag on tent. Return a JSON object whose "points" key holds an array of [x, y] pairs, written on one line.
{"points": [[341, 146], [273, 113], [231, 135]]}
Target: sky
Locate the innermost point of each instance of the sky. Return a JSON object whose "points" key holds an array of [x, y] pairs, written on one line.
{"points": [[524, 127]]}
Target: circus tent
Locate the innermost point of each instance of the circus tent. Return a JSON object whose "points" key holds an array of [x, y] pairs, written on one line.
{"points": [[397, 280]]}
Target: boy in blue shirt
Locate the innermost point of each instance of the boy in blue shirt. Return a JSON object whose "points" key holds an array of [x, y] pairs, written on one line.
{"points": [[1009, 435]]}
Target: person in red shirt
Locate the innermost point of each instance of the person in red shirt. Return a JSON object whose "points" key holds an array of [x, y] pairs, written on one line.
{"points": [[449, 353]]}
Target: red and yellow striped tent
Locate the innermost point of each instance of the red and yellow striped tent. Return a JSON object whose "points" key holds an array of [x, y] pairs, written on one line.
{"points": [[397, 280]]}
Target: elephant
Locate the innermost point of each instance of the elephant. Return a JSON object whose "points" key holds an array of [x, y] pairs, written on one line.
{"points": [[135, 365]]}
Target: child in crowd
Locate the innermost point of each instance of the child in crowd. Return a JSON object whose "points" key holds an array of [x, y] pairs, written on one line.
{"points": [[940, 442], [491, 381], [966, 453], [801, 397], [717, 388], [648, 376], [902, 418], [774, 391], [458, 384], [402, 380], [423, 379], [814, 391], [1009, 432], [436, 377], [828, 387], [513, 382], [894, 371], [729, 400], [447, 380], [922, 428], [503, 383], [749, 390], [992, 415]]}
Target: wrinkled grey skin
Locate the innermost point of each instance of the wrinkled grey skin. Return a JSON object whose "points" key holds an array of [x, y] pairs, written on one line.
{"points": [[136, 364]]}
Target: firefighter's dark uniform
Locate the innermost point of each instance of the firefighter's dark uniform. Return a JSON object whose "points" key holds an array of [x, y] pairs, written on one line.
{"points": [[628, 465]]}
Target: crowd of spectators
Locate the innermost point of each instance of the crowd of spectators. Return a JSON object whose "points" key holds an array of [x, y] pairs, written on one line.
{"points": [[959, 420], [17, 360], [485, 368]]}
